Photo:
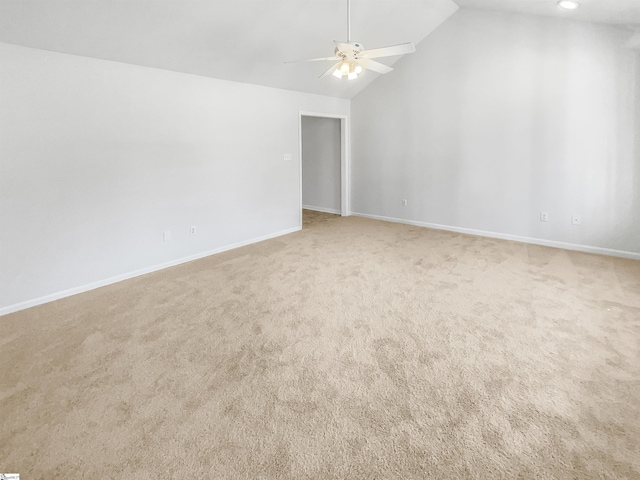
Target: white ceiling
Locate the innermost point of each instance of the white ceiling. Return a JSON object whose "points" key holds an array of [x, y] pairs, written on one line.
{"points": [[240, 40], [614, 12], [249, 40]]}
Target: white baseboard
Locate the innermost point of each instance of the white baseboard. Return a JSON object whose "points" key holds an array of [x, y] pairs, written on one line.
{"points": [[505, 236], [321, 209], [125, 276]]}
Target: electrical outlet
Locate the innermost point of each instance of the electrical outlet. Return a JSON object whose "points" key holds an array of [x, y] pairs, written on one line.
{"points": [[544, 216], [288, 157], [166, 236], [404, 202], [576, 219], [193, 230]]}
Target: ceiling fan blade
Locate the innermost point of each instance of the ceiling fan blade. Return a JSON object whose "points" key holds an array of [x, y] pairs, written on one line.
{"points": [[389, 51], [374, 66], [331, 70], [313, 60]]}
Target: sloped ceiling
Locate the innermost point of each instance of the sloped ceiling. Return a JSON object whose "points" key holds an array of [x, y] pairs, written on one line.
{"points": [[249, 40], [612, 12], [239, 40]]}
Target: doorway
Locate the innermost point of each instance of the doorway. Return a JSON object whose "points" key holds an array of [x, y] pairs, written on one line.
{"points": [[324, 163]]}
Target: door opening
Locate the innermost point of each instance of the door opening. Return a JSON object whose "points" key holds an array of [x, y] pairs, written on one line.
{"points": [[324, 162]]}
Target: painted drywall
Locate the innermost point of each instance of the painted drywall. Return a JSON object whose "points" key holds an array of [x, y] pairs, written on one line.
{"points": [[99, 158], [498, 117], [321, 163]]}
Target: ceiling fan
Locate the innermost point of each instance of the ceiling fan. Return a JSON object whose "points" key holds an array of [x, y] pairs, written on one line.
{"points": [[351, 58]]}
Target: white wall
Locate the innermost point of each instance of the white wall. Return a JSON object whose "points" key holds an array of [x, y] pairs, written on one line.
{"points": [[98, 158], [499, 116], [321, 163]]}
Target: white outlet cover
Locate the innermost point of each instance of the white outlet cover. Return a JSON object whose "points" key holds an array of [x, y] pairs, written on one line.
{"points": [[288, 157], [166, 236], [544, 216], [193, 230]]}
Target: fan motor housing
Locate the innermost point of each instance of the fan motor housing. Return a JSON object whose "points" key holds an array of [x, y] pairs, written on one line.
{"points": [[357, 49]]}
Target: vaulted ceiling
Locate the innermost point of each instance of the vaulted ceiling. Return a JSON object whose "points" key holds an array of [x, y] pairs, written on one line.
{"points": [[250, 40], [240, 40], [613, 12]]}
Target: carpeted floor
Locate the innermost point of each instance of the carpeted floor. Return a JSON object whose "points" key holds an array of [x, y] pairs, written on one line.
{"points": [[352, 349]]}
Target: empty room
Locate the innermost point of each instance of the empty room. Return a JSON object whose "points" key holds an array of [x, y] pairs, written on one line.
{"points": [[322, 239]]}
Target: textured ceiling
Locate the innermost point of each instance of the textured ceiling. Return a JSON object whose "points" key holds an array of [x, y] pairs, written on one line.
{"points": [[240, 40], [249, 40]]}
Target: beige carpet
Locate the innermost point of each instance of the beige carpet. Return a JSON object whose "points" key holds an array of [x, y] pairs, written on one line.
{"points": [[352, 349]]}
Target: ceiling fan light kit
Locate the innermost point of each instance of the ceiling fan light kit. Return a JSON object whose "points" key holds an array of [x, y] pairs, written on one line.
{"points": [[349, 68], [352, 59]]}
